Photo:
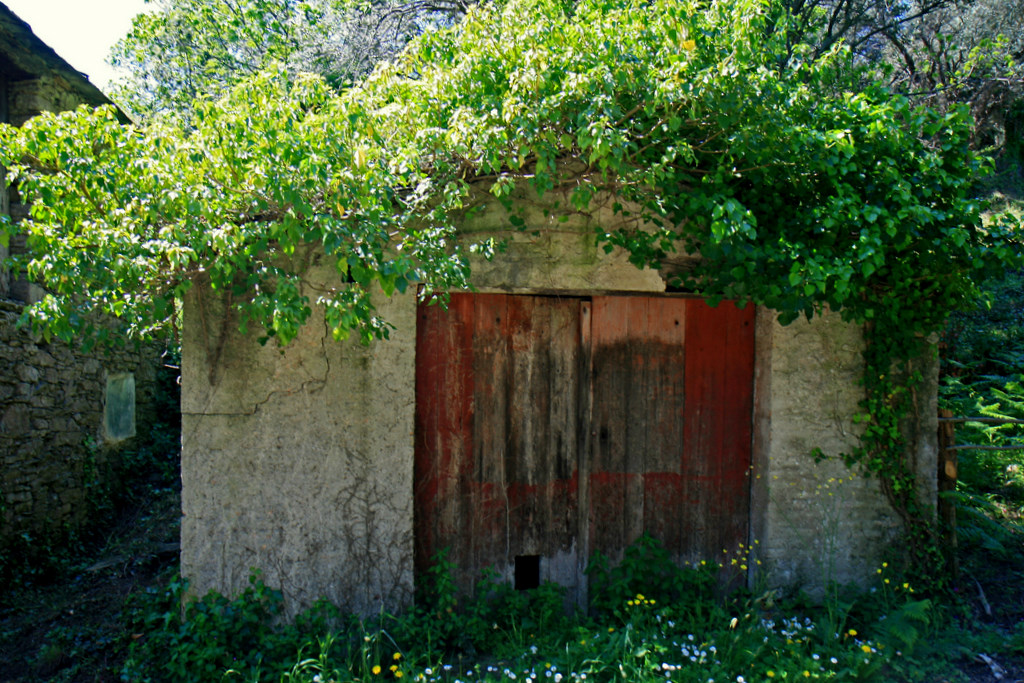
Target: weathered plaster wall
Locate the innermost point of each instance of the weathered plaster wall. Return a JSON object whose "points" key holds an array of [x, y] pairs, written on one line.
{"points": [[53, 439], [822, 521], [298, 461], [563, 257]]}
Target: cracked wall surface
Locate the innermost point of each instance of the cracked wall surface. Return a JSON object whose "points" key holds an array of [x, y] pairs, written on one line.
{"points": [[298, 461]]}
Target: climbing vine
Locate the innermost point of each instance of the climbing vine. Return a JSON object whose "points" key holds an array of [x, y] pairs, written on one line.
{"points": [[802, 188]]}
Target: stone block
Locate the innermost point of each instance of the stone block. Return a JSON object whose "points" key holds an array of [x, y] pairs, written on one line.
{"points": [[16, 420], [27, 373]]}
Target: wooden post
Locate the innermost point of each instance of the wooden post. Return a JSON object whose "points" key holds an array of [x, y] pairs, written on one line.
{"points": [[947, 487]]}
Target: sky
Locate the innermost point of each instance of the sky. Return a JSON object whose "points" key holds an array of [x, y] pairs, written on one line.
{"points": [[80, 31]]}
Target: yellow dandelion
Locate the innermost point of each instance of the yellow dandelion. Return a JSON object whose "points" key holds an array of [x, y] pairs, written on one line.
{"points": [[852, 632], [376, 669], [807, 674], [770, 674], [396, 656], [398, 674], [866, 649], [689, 45]]}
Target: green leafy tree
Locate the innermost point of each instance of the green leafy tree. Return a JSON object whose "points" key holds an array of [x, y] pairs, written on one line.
{"points": [[939, 52], [185, 50]]}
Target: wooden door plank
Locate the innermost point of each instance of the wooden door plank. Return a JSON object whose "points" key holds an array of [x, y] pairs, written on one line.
{"points": [[443, 427], [718, 425], [664, 349]]}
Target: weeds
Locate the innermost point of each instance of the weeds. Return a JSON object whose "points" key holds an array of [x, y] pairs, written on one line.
{"points": [[683, 628]]}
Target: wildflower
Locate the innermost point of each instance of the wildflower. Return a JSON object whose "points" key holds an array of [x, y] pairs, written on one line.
{"points": [[770, 673], [833, 660], [396, 656], [394, 668], [807, 674], [852, 632], [376, 669], [732, 624], [398, 674], [866, 649]]}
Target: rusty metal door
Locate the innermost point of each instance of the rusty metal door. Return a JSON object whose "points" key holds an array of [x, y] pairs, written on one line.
{"points": [[549, 428]]}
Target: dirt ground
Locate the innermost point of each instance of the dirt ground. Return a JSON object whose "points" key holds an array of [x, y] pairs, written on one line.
{"points": [[73, 631]]}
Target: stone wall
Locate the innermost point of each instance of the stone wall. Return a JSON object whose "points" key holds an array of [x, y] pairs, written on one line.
{"points": [[49, 92], [64, 414], [55, 423]]}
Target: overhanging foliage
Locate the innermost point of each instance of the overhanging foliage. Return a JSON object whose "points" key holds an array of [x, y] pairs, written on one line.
{"points": [[797, 194]]}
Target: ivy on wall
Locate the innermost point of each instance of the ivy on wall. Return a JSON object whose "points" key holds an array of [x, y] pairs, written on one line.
{"points": [[802, 188]]}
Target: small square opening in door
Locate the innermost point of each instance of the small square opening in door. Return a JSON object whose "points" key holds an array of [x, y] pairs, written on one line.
{"points": [[527, 572]]}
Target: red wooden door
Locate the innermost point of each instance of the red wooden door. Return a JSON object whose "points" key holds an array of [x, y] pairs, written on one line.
{"points": [[550, 428]]}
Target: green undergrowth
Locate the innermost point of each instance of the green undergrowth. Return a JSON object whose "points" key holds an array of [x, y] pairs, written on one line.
{"points": [[983, 376], [681, 626]]}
